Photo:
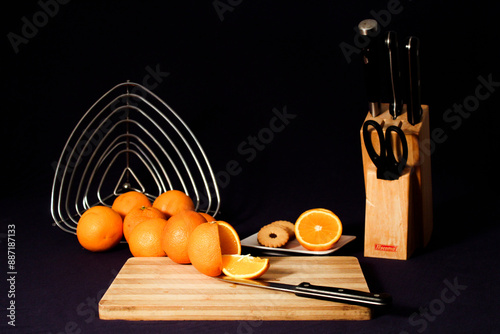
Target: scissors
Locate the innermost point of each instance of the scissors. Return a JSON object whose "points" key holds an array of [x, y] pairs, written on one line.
{"points": [[388, 168]]}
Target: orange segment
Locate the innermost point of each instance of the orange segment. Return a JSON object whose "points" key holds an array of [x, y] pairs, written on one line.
{"points": [[229, 239], [244, 266], [318, 229]]}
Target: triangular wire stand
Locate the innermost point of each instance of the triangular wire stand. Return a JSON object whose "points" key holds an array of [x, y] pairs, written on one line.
{"points": [[124, 183], [136, 136]]}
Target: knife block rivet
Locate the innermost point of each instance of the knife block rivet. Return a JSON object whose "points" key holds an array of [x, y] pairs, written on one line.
{"points": [[398, 215]]}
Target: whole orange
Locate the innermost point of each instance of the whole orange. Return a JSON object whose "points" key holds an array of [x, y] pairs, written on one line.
{"points": [[208, 242], [99, 229], [128, 201], [145, 238], [176, 234], [137, 216], [172, 202]]}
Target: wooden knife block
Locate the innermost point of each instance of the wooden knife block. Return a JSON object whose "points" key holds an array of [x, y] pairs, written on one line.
{"points": [[398, 216]]}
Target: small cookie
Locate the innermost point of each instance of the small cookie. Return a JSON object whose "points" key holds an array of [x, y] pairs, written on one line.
{"points": [[288, 226], [272, 236]]}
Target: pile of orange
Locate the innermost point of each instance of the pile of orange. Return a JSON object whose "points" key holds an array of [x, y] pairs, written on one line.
{"points": [[168, 227]]}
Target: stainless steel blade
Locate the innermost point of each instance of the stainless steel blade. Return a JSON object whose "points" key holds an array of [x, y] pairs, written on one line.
{"points": [[329, 293], [259, 284]]}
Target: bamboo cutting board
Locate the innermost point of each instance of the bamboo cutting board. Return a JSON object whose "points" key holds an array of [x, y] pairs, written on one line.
{"points": [[159, 289]]}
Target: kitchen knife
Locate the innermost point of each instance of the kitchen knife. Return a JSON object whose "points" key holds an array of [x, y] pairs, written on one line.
{"points": [[414, 110], [370, 29], [396, 105], [308, 290]]}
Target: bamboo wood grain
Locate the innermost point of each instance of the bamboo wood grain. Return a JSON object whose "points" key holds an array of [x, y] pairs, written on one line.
{"points": [[159, 289], [389, 223]]}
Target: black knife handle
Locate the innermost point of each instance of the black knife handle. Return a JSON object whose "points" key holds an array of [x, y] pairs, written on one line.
{"points": [[396, 105], [348, 296], [370, 29], [414, 109]]}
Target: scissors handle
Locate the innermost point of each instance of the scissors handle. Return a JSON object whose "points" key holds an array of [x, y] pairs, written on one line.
{"points": [[388, 167], [377, 159], [394, 168]]}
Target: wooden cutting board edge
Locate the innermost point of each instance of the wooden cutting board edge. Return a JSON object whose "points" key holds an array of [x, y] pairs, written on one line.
{"points": [[110, 311]]}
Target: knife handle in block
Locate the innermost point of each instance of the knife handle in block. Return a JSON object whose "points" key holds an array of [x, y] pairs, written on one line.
{"points": [[414, 108]]}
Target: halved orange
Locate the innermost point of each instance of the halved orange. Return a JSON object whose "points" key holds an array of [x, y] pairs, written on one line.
{"points": [[244, 266], [208, 217], [229, 240], [318, 229], [208, 242]]}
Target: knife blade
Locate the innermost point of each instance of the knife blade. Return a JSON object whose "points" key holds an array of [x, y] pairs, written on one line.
{"points": [[414, 109], [370, 29], [396, 105], [329, 293]]}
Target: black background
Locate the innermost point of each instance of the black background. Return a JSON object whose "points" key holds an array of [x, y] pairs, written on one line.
{"points": [[225, 77]]}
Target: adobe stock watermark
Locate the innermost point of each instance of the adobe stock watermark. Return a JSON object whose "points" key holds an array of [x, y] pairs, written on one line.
{"points": [[483, 91], [454, 117], [383, 17], [223, 6], [247, 326], [92, 137], [87, 309], [249, 148], [31, 26], [426, 315]]}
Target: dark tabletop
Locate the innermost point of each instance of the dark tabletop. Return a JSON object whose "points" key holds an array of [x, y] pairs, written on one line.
{"points": [[224, 66]]}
